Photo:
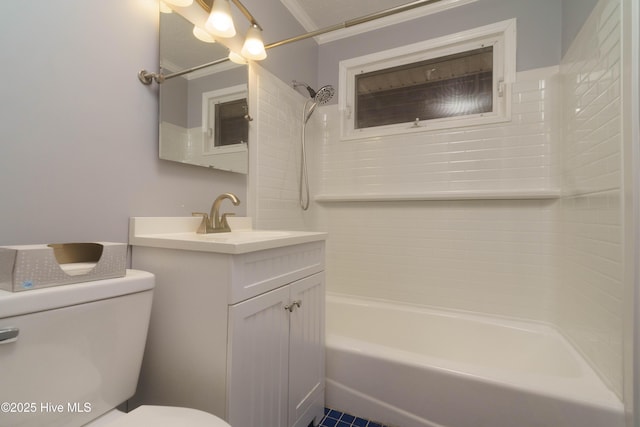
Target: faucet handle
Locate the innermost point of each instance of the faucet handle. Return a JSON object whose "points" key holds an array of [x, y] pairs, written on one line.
{"points": [[202, 229], [223, 223]]}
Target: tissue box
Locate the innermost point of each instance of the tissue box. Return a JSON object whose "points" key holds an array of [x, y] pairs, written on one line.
{"points": [[27, 267]]}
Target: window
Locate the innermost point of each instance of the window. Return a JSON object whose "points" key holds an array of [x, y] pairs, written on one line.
{"points": [[453, 85], [430, 85], [224, 119], [231, 126]]}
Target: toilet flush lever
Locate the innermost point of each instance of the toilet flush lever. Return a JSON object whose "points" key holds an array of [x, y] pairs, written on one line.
{"points": [[8, 335]]}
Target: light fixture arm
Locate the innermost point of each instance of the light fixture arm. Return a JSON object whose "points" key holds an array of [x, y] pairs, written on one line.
{"points": [[246, 13]]}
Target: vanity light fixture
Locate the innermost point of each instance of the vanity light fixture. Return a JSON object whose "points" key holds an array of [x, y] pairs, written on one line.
{"points": [[253, 47], [220, 22], [203, 35], [236, 58], [147, 77], [179, 3]]}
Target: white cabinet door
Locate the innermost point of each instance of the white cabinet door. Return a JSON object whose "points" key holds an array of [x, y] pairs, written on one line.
{"points": [[276, 357], [306, 351], [257, 369]]}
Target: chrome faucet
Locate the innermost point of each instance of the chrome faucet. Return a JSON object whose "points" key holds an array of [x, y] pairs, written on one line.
{"points": [[214, 223]]}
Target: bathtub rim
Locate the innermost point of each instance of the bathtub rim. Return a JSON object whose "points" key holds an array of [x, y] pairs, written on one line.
{"points": [[572, 389]]}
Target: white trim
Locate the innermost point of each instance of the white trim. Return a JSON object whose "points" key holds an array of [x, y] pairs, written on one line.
{"points": [[515, 194], [300, 14], [307, 22], [501, 34]]}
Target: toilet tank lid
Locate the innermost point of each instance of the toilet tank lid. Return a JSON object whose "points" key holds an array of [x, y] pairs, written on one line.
{"points": [[33, 301], [168, 416]]}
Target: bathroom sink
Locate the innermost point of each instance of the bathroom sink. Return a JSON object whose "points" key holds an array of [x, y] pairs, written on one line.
{"points": [[180, 233]]}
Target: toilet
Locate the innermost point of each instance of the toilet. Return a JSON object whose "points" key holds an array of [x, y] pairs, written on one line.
{"points": [[71, 354]]}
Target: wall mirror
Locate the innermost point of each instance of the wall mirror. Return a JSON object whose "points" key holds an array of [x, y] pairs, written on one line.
{"points": [[204, 116]]}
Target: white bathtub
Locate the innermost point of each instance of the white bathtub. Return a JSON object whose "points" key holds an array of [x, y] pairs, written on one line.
{"points": [[408, 366]]}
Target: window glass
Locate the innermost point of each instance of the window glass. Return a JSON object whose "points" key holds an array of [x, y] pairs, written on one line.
{"points": [[231, 126], [448, 86]]}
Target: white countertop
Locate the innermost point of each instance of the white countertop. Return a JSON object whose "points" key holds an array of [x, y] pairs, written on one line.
{"points": [[180, 233]]}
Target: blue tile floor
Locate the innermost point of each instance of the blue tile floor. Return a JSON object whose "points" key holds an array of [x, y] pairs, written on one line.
{"points": [[333, 418]]}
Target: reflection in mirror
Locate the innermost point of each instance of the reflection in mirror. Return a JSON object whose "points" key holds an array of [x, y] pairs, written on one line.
{"points": [[203, 114]]}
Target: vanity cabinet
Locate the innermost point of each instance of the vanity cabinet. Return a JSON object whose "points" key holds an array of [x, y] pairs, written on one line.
{"points": [[276, 356], [237, 335]]}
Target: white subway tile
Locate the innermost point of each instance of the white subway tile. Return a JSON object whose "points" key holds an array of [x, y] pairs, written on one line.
{"points": [[590, 292]]}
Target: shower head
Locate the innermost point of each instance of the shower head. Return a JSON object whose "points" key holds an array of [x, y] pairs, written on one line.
{"points": [[324, 94]]}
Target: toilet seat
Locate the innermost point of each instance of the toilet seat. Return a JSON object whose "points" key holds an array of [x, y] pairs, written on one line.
{"points": [[167, 416]]}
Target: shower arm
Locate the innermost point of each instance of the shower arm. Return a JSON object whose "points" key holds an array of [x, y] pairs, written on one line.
{"points": [[147, 77]]}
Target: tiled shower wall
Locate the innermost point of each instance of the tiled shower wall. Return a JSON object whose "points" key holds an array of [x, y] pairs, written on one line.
{"points": [[549, 260], [590, 291], [274, 154], [519, 154], [491, 256], [483, 256], [556, 261], [488, 256]]}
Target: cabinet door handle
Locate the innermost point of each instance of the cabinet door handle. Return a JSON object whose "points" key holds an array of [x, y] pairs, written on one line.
{"points": [[293, 305], [8, 335]]}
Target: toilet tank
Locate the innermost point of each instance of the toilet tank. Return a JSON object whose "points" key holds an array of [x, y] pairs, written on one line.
{"points": [[78, 351]]}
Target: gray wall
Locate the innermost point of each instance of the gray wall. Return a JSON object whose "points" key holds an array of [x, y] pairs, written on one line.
{"points": [[538, 26], [574, 13], [78, 132]]}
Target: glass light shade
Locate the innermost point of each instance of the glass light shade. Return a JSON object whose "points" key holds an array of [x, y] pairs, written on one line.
{"points": [[236, 58], [253, 47], [220, 22], [179, 3], [202, 35]]}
